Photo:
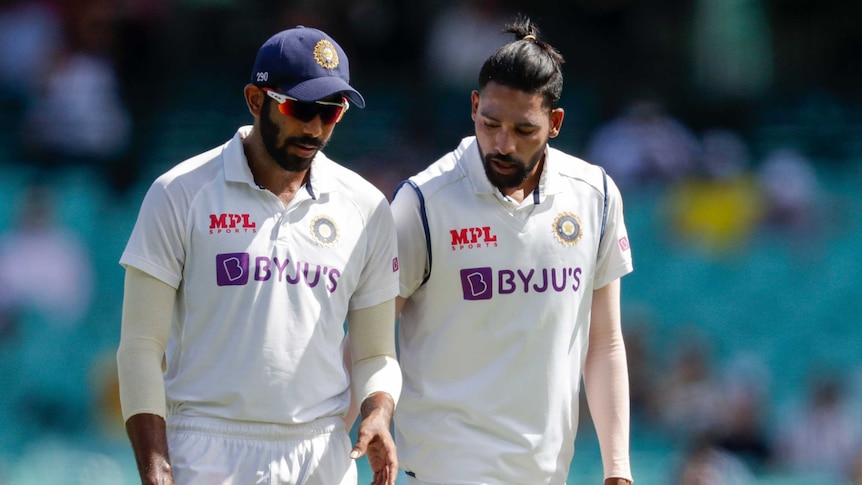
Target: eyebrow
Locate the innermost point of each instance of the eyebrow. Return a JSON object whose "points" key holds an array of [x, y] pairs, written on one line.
{"points": [[520, 124]]}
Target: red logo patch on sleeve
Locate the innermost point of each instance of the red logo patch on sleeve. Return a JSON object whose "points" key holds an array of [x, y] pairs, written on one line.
{"points": [[624, 243], [395, 264]]}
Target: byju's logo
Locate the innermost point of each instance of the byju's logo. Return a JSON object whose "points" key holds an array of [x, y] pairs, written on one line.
{"points": [[236, 269], [232, 269], [480, 283], [477, 283]]}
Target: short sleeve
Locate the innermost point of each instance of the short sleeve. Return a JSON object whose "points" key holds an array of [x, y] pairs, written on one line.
{"points": [[379, 279], [412, 245], [156, 245], [614, 257]]}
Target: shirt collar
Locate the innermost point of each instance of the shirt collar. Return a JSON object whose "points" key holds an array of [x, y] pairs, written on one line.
{"points": [[549, 181], [237, 169]]}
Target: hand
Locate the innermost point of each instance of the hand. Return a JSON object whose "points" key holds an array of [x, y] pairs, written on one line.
{"points": [[617, 481], [374, 439], [149, 443]]}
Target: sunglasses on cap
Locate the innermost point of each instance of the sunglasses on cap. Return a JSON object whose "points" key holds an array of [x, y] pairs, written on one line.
{"points": [[329, 112]]}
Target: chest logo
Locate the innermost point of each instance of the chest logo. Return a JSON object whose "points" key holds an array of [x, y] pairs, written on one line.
{"points": [[324, 231], [568, 228]]}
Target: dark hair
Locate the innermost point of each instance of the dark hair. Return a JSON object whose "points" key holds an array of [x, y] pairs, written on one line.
{"points": [[527, 64]]}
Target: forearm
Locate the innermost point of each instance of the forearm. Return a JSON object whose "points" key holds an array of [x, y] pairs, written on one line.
{"points": [[606, 384], [149, 443], [147, 307]]}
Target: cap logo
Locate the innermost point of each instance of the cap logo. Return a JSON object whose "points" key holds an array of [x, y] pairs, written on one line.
{"points": [[325, 54]]}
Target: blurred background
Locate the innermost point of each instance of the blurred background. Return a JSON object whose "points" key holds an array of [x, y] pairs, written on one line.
{"points": [[733, 127]]}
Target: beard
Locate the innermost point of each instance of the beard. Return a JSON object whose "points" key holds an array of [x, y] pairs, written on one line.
{"points": [[279, 151], [515, 179]]}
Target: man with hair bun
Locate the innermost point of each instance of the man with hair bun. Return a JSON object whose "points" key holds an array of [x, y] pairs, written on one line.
{"points": [[511, 256]]}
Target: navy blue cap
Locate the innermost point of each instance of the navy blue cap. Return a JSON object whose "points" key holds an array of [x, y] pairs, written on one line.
{"points": [[306, 64]]}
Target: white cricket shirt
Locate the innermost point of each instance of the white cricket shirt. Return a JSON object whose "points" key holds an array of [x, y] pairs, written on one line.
{"points": [[263, 289], [492, 346]]}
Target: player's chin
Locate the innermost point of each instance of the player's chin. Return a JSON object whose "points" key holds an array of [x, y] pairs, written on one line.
{"points": [[294, 163]]}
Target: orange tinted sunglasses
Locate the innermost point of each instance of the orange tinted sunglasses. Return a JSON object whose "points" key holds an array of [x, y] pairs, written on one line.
{"points": [[329, 112]]}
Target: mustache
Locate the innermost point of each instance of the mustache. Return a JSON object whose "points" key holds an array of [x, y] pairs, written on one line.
{"points": [[503, 158], [305, 140]]}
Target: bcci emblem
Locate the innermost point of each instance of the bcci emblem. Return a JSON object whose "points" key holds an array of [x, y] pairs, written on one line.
{"points": [[324, 231], [567, 228], [325, 55]]}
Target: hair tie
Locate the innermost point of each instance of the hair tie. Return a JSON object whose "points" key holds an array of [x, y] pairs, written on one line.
{"points": [[529, 37]]}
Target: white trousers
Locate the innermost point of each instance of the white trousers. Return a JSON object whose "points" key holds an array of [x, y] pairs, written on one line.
{"points": [[220, 452]]}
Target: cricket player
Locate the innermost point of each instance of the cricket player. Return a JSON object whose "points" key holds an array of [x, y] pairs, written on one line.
{"points": [[240, 271], [511, 256]]}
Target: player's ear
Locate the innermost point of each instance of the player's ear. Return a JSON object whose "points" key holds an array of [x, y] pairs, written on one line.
{"points": [[556, 122], [253, 99], [474, 101]]}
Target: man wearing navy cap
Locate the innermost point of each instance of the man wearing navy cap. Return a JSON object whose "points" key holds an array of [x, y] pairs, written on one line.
{"points": [[241, 269]]}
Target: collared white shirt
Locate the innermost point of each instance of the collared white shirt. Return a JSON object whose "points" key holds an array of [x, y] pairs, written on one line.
{"points": [[492, 346], [262, 289]]}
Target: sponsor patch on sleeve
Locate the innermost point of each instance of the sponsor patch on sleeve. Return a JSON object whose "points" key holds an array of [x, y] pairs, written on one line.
{"points": [[624, 243]]}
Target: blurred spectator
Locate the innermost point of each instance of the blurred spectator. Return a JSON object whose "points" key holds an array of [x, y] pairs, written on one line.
{"points": [[47, 281], [708, 464], [690, 399], [731, 46], [789, 185], [44, 268], [644, 145], [719, 208], [461, 37], [725, 155], [823, 437], [459, 40], [78, 116], [742, 430], [30, 38]]}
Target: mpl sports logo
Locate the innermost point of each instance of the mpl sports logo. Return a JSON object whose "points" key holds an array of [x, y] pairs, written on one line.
{"points": [[472, 238], [235, 269], [231, 224], [484, 282]]}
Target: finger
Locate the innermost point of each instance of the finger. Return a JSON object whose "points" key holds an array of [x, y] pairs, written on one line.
{"points": [[382, 477], [360, 447], [392, 473]]}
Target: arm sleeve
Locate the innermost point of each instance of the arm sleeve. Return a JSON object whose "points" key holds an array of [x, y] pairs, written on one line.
{"points": [[606, 382], [378, 281], [156, 245], [146, 322], [372, 351]]}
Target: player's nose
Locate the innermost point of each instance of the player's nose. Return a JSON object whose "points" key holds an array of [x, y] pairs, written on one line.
{"points": [[314, 127], [504, 142]]}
